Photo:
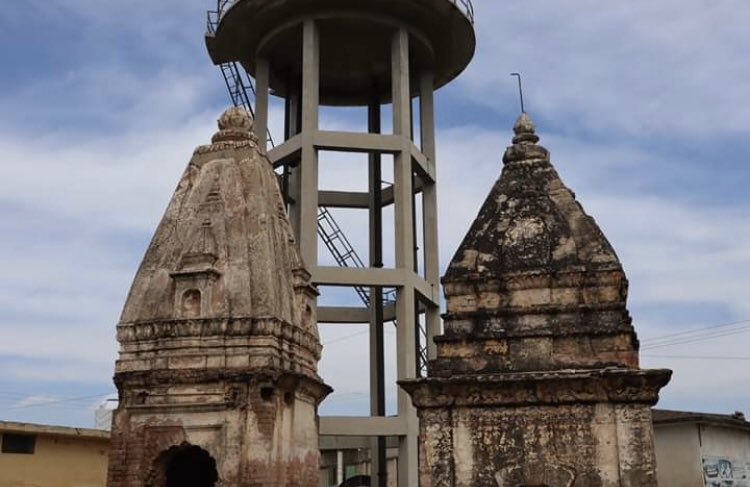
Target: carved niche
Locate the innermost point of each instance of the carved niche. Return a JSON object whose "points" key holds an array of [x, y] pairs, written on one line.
{"points": [[196, 275]]}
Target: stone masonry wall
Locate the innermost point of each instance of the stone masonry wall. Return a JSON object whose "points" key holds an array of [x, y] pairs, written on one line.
{"points": [[554, 446], [259, 433]]}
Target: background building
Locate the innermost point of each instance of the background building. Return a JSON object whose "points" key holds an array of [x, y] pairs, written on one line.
{"points": [[698, 449], [692, 450], [52, 456], [103, 414]]}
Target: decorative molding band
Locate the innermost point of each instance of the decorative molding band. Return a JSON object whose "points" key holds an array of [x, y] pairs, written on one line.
{"points": [[217, 327], [617, 385]]}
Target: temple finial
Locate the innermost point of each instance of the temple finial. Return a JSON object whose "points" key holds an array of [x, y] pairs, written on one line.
{"points": [[525, 130], [525, 147], [235, 124]]}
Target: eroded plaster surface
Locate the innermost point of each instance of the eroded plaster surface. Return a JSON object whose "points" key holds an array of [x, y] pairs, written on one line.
{"points": [[536, 380], [218, 338]]}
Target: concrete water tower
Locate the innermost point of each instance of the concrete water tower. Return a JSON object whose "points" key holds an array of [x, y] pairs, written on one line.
{"points": [[359, 53]]}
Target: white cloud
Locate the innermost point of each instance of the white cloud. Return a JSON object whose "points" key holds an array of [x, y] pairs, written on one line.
{"points": [[36, 400], [640, 66]]}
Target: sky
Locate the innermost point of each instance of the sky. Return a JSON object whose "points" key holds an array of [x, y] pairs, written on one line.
{"points": [[645, 107]]}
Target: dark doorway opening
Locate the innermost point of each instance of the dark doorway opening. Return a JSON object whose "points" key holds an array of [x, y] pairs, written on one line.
{"points": [[191, 466], [358, 481]]}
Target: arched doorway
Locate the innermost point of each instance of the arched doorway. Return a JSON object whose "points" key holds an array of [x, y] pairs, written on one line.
{"points": [[188, 466], [358, 481]]}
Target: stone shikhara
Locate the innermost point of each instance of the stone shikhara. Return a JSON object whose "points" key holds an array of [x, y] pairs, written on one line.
{"points": [[536, 380], [217, 372]]}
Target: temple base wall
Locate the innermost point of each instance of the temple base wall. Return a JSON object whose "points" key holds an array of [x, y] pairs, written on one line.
{"points": [[577, 445], [259, 433]]}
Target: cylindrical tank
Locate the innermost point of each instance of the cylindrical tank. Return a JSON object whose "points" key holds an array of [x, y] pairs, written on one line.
{"points": [[355, 42]]}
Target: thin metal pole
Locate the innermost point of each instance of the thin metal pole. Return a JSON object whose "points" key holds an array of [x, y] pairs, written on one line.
{"points": [[288, 109], [261, 102], [520, 90], [287, 135]]}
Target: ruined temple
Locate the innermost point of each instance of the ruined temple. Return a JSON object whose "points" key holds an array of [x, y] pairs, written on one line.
{"points": [[217, 373], [536, 380]]}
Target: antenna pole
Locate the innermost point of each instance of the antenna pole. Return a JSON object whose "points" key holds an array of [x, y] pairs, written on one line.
{"points": [[520, 90]]}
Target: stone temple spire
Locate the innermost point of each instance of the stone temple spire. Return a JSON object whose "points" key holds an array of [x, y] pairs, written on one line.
{"points": [[535, 252], [537, 370], [217, 373]]}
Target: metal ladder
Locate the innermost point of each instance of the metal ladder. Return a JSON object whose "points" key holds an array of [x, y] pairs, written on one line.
{"points": [[340, 248], [239, 90], [346, 256], [329, 231]]}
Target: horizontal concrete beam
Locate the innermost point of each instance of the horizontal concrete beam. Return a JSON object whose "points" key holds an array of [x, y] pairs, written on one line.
{"points": [[344, 199], [362, 426], [430, 292], [356, 276], [287, 152], [328, 443], [357, 142], [423, 166], [388, 192], [344, 314]]}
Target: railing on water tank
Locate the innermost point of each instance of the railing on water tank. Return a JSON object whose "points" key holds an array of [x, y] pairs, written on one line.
{"points": [[214, 16]]}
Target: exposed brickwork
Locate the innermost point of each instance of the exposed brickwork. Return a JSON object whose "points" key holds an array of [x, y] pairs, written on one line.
{"points": [[218, 348], [536, 381]]}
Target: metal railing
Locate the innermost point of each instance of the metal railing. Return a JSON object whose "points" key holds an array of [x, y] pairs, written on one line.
{"points": [[214, 16], [466, 7]]}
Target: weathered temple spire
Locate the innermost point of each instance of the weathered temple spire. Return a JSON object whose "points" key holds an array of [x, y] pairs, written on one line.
{"points": [[535, 266], [217, 371], [531, 221], [537, 372]]}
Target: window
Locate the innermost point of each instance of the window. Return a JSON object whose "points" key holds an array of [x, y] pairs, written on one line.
{"points": [[191, 304], [13, 443]]}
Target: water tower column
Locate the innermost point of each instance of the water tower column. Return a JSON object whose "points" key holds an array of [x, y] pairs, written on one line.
{"points": [[429, 206], [306, 205], [403, 198]]}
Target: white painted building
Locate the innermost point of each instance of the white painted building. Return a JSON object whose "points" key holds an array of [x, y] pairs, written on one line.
{"points": [[702, 450], [103, 414]]}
